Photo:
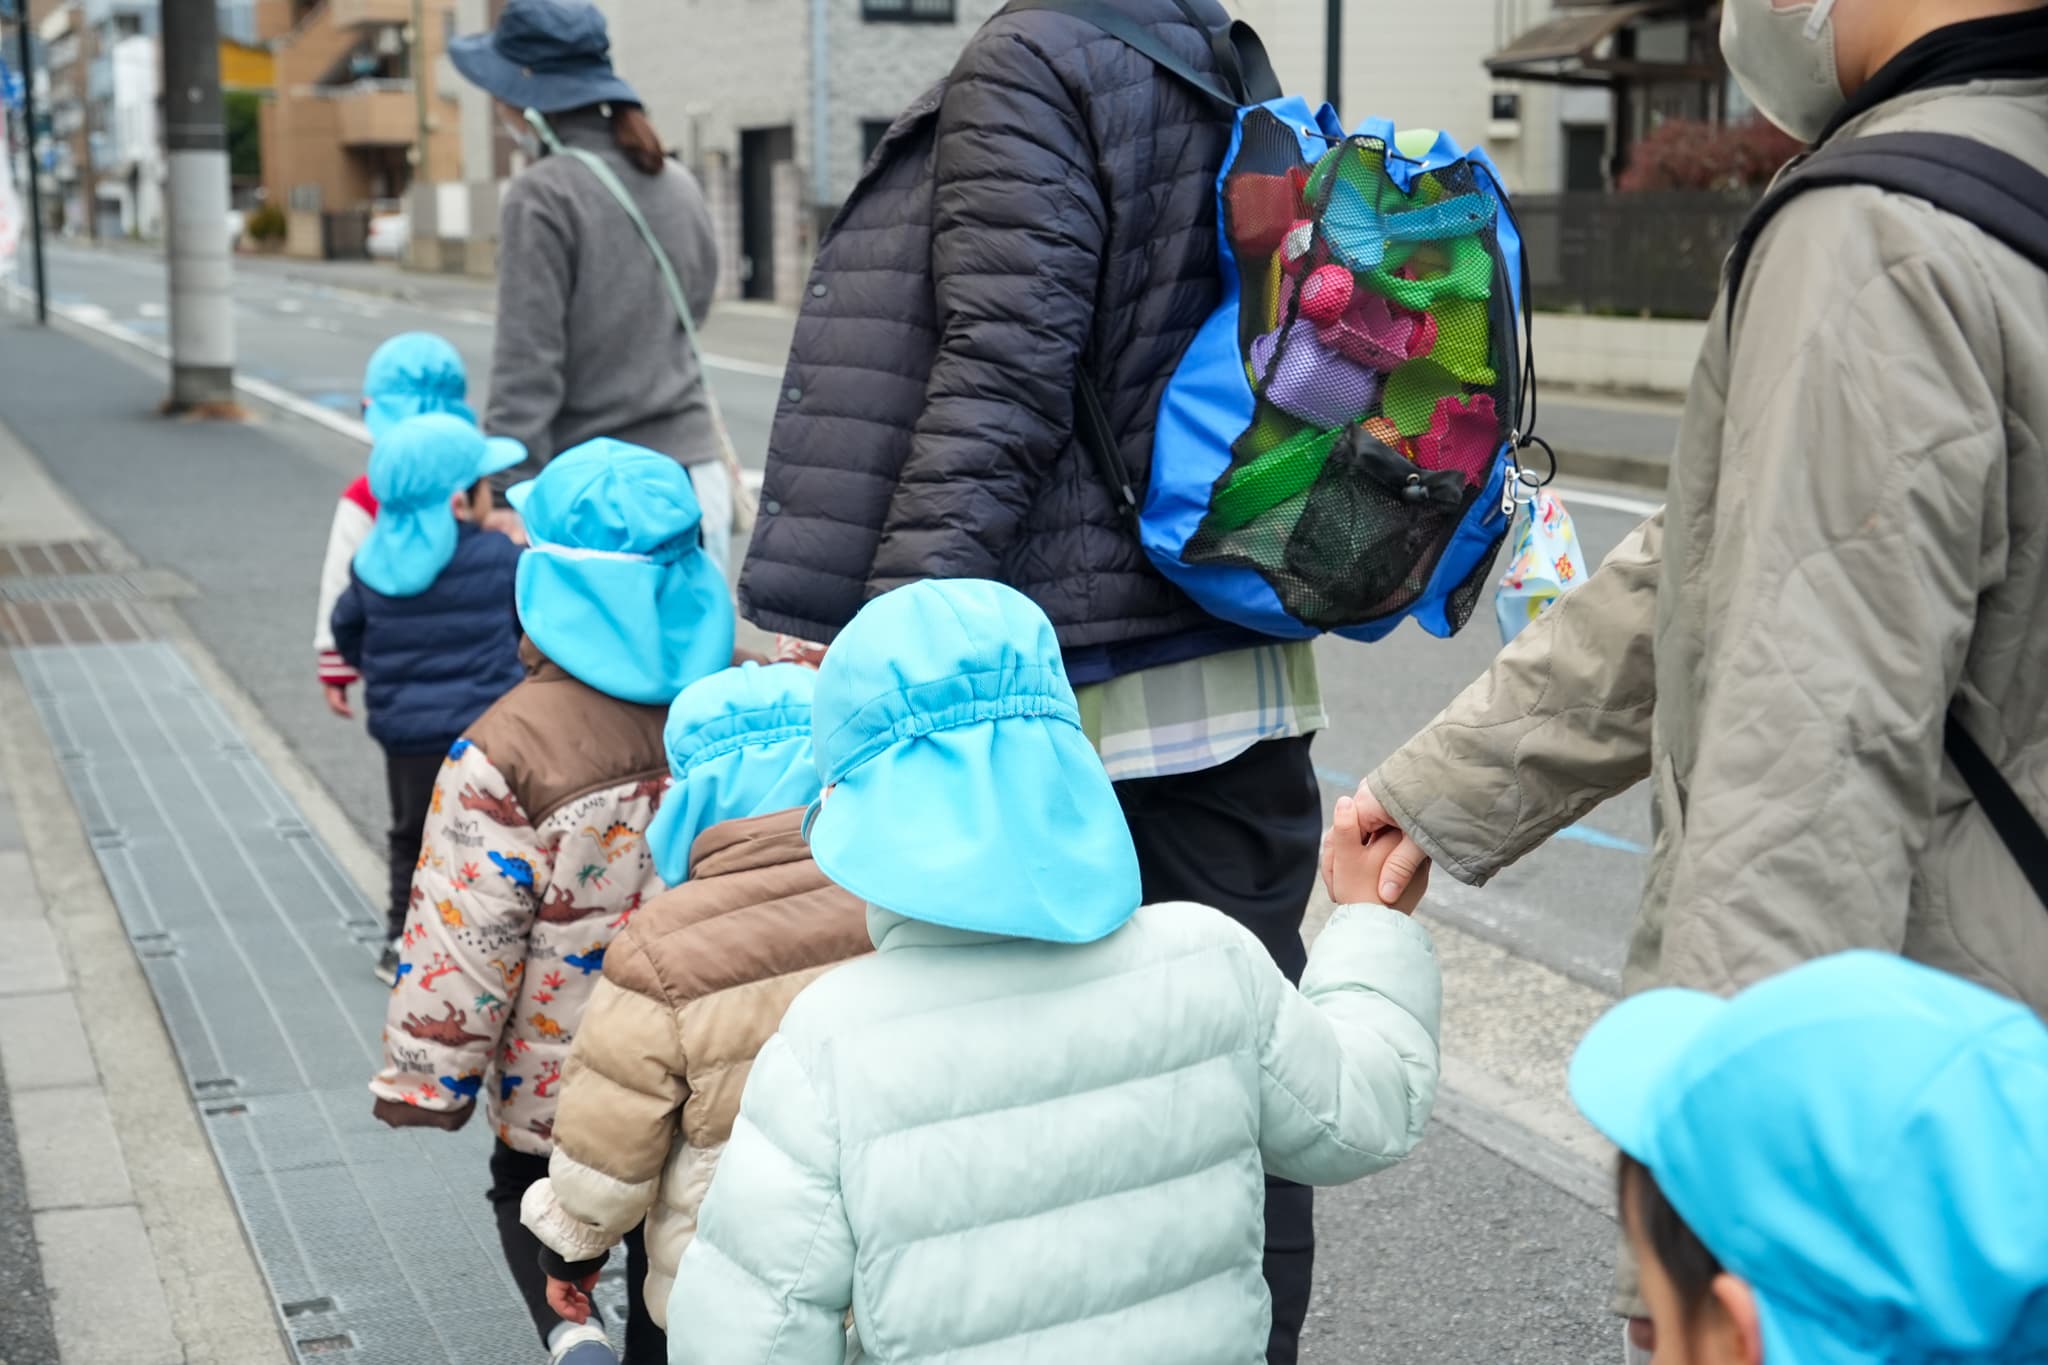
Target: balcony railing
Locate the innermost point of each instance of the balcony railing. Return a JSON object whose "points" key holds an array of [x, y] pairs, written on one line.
{"points": [[375, 113], [356, 13]]}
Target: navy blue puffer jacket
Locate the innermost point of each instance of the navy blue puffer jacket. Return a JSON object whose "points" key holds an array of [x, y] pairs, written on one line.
{"points": [[432, 664], [1053, 205]]}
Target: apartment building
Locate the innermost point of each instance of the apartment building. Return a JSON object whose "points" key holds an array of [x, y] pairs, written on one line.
{"points": [[354, 94]]}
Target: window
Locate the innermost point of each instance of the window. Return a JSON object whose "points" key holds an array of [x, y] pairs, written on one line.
{"points": [[907, 11], [1507, 106], [872, 130]]}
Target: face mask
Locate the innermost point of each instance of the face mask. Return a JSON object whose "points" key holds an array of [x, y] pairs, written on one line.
{"points": [[1784, 60], [525, 139]]}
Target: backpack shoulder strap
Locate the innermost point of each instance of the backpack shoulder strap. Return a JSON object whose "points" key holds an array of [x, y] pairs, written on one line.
{"points": [[1241, 59], [1980, 184], [2022, 835], [2008, 199]]}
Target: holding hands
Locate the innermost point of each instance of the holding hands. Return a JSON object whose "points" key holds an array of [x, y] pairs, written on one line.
{"points": [[1368, 861]]}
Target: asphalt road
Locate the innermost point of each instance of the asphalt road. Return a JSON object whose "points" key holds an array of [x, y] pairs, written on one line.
{"points": [[308, 328], [1457, 1256]]}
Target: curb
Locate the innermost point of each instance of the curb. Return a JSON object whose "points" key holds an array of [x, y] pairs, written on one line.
{"points": [[1635, 471]]}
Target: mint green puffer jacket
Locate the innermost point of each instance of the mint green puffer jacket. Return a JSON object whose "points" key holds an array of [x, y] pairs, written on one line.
{"points": [[998, 1150]]}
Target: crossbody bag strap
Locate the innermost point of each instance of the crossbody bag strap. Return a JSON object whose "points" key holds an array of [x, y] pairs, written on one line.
{"points": [[608, 178]]}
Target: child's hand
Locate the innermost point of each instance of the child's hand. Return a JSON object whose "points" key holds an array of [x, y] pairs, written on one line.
{"points": [[571, 1302], [337, 699], [1351, 866]]}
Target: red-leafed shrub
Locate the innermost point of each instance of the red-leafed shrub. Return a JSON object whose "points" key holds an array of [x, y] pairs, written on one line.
{"points": [[1685, 154]]}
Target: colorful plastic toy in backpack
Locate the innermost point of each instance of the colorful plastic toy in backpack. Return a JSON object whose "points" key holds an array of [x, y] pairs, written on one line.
{"points": [[1336, 451]]}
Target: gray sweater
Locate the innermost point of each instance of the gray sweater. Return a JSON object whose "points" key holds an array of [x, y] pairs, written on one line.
{"points": [[588, 344]]}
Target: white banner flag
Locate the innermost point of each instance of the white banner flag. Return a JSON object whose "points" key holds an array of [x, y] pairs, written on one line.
{"points": [[10, 211]]}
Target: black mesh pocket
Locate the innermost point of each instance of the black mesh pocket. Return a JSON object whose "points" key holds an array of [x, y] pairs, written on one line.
{"points": [[1370, 532], [1465, 597]]}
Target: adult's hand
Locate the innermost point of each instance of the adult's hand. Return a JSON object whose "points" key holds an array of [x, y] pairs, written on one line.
{"points": [[571, 1301], [337, 699], [1403, 860]]}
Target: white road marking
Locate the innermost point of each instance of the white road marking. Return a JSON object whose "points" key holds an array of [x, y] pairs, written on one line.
{"points": [[1613, 502], [151, 310], [752, 367]]}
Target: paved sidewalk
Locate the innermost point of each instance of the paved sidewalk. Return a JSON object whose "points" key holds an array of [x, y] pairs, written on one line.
{"points": [[136, 1252], [187, 1015]]}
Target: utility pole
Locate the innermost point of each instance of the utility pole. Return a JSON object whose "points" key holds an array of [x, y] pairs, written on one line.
{"points": [[1333, 55], [417, 60], [35, 171], [195, 135]]}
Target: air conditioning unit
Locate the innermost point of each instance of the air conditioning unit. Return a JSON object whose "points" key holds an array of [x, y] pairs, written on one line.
{"points": [[1504, 120]]}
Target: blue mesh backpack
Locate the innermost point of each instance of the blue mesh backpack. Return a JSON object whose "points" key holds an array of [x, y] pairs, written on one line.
{"points": [[1337, 449]]}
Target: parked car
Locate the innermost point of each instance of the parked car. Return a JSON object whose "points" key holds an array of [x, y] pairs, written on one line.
{"points": [[389, 234]]}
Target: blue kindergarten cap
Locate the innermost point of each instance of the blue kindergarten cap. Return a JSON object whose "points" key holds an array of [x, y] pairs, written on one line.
{"points": [[615, 586], [739, 745], [414, 373], [962, 790], [1862, 1139], [416, 468]]}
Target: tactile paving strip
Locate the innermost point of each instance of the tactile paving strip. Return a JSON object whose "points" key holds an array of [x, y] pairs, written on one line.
{"points": [[378, 1244]]}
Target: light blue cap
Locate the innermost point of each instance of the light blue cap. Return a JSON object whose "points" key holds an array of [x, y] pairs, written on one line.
{"points": [[414, 373], [1863, 1140], [962, 790], [739, 745], [616, 586], [416, 468]]}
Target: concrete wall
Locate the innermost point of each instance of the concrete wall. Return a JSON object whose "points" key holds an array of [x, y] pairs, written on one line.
{"points": [[1638, 355], [1421, 64]]}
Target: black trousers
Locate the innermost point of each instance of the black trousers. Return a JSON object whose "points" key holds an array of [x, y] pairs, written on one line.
{"points": [[409, 781], [1244, 838], [511, 1173]]}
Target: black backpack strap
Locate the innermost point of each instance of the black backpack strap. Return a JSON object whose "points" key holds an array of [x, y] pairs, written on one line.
{"points": [[2007, 199], [1248, 78], [1241, 58], [1994, 190], [2021, 833]]}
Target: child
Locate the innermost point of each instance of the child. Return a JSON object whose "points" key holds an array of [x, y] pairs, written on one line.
{"points": [[1845, 1163], [695, 984], [1038, 1118], [534, 856], [412, 373], [428, 618]]}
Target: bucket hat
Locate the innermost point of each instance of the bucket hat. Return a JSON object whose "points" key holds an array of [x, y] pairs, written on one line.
{"points": [[960, 789], [615, 585], [548, 55], [416, 468], [1862, 1139], [414, 373], [739, 745]]}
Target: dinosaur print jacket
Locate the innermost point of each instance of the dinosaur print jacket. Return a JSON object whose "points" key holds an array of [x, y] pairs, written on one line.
{"points": [[534, 859]]}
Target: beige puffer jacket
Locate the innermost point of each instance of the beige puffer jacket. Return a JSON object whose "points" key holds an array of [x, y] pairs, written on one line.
{"points": [[692, 990], [1856, 534]]}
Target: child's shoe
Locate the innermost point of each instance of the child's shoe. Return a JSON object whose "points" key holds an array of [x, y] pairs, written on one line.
{"points": [[387, 963], [580, 1344]]}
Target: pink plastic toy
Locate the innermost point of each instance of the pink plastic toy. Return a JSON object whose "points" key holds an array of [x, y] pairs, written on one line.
{"points": [[1325, 294], [1462, 435]]}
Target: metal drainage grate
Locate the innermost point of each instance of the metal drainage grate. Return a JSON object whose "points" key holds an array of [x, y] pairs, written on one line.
{"points": [[98, 587]]}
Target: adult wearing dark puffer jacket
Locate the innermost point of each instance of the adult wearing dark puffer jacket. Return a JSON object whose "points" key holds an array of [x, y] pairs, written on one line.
{"points": [[1051, 211]]}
